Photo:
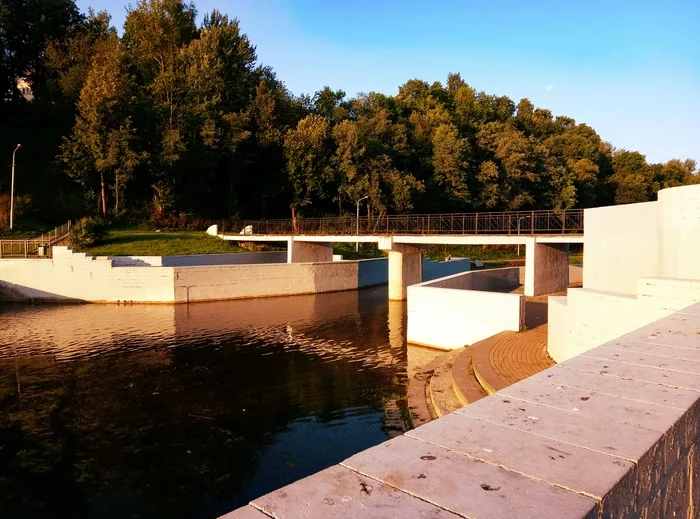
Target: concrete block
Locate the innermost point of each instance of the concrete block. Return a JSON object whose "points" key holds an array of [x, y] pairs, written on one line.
{"points": [[338, 492], [605, 477], [645, 359], [635, 372], [468, 487], [594, 404], [608, 436], [614, 386], [642, 348]]}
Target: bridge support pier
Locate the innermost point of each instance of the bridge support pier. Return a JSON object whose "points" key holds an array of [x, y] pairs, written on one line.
{"points": [[308, 252], [405, 267], [546, 267]]}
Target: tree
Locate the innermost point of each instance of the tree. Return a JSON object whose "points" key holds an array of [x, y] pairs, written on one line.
{"points": [[307, 153], [102, 139]]}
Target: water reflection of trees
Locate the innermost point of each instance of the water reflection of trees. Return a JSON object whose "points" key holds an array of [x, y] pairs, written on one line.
{"points": [[173, 431]]}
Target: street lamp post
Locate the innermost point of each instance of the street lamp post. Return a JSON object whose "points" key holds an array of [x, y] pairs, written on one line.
{"points": [[12, 186], [357, 222]]}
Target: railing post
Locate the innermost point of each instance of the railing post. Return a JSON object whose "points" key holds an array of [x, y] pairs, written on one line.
{"points": [[476, 223], [26, 246], [532, 217]]}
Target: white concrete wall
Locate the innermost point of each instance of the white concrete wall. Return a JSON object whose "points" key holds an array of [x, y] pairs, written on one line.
{"points": [[243, 281], [641, 264], [442, 314], [679, 232], [621, 246], [75, 277], [590, 318]]}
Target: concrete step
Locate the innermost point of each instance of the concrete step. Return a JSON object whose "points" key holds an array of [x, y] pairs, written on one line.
{"points": [[442, 394], [466, 386], [421, 407]]}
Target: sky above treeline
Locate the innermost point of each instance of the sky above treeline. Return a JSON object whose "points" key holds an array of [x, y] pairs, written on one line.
{"points": [[629, 69]]}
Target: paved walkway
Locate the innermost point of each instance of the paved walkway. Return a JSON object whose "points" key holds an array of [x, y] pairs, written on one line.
{"points": [[516, 356]]}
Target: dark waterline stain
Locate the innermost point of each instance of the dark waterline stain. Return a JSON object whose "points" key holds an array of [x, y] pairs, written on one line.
{"points": [[188, 411]]}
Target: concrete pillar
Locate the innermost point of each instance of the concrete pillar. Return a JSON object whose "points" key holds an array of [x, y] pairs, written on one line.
{"points": [[546, 267], [308, 252], [405, 267]]}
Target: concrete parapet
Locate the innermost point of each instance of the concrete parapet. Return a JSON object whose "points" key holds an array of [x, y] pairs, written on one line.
{"points": [[458, 310]]}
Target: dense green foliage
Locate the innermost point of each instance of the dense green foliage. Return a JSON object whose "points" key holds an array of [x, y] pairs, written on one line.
{"points": [[86, 232], [172, 118]]}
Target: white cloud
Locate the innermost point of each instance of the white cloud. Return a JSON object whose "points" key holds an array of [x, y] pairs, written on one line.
{"points": [[550, 87]]}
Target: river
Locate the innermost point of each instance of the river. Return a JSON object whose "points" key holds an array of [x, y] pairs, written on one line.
{"points": [[190, 410]]}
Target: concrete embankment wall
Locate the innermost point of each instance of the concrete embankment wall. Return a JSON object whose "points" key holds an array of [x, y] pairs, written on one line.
{"points": [[613, 433], [459, 310], [73, 276]]}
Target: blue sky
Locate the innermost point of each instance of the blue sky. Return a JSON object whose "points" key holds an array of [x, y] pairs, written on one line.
{"points": [[630, 69]]}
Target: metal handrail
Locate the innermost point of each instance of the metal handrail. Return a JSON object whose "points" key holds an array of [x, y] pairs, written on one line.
{"points": [[30, 247], [510, 222]]}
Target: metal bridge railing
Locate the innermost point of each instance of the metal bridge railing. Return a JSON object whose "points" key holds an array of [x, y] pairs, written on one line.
{"points": [[512, 222], [39, 246]]}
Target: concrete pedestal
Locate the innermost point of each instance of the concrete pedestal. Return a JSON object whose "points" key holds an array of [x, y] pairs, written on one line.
{"points": [[546, 267], [309, 252]]}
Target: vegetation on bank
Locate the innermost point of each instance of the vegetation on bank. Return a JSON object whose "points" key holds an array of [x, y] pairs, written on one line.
{"points": [[171, 118], [139, 243]]}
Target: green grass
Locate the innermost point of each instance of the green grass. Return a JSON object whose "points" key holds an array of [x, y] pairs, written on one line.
{"points": [[492, 254], [366, 251], [135, 243]]}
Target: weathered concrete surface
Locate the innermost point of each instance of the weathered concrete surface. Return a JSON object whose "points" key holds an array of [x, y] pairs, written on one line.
{"points": [[339, 492], [308, 252], [590, 437], [546, 267]]}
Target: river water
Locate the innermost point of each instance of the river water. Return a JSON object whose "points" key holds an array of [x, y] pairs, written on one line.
{"points": [[189, 410]]}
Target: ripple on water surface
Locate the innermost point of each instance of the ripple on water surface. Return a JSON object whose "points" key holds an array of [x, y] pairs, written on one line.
{"points": [[188, 410]]}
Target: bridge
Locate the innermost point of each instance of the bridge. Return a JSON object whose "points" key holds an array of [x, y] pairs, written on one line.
{"points": [[546, 236]]}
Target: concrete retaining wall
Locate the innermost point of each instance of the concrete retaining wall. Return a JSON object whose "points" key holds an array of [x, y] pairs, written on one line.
{"points": [[73, 276], [456, 311]]}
